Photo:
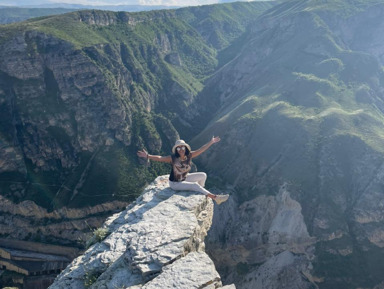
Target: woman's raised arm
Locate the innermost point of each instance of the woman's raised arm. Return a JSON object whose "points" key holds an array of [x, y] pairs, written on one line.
{"points": [[146, 155], [205, 147]]}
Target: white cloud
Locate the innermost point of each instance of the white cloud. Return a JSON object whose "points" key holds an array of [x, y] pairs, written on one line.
{"points": [[97, 2], [177, 2]]}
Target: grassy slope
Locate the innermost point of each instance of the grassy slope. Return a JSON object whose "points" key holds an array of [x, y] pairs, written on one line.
{"points": [[311, 115], [306, 85]]}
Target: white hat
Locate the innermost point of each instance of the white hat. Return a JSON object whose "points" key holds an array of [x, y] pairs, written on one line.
{"points": [[179, 143]]}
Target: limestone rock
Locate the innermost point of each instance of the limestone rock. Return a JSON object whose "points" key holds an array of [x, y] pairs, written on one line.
{"points": [[157, 239], [281, 271], [185, 274], [263, 242]]}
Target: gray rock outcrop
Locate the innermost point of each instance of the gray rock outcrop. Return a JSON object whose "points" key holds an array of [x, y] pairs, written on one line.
{"points": [[157, 242], [263, 243]]}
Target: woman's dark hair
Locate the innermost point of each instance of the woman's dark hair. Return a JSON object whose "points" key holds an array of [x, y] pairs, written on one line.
{"points": [[186, 152]]}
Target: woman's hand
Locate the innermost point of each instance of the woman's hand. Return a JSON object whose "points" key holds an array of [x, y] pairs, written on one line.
{"points": [[143, 154], [215, 139]]}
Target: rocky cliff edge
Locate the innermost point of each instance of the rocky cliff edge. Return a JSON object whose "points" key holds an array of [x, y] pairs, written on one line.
{"points": [[157, 242]]}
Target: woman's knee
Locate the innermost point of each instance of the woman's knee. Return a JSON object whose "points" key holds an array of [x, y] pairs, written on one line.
{"points": [[203, 178]]}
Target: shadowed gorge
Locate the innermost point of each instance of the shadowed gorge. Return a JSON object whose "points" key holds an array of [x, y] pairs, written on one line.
{"points": [[293, 88]]}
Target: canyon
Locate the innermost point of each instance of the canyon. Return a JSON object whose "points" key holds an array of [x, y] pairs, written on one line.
{"points": [[293, 88]]}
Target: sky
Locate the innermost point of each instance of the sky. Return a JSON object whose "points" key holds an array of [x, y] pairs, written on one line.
{"points": [[117, 2], [138, 2]]}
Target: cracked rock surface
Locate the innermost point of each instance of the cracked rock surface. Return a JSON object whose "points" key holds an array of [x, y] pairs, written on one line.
{"points": [[157, 242]]}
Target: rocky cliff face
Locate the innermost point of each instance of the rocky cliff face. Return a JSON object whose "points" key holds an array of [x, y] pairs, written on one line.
{"points": [[157, 242], [263, 243], [61, 121], [66, 226]]}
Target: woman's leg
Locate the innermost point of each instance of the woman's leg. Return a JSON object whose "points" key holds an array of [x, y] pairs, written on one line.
{"points": [[190, 186], [196, 182], [199, 177]]}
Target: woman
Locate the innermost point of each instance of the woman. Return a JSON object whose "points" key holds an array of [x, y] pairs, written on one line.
{"points": [[180, 179]]}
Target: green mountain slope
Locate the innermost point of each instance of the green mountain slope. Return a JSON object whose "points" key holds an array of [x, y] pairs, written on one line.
{"points": [[302, 105]]}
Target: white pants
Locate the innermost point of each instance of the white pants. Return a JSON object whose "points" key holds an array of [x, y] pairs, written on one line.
{"points": [[193, 182]]}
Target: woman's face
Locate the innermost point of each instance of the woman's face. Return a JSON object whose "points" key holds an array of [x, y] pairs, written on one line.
{"points": [[181, 150]]}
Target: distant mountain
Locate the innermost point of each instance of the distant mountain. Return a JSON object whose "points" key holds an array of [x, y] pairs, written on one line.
{"points": [[15, 14], [107, 5], [22, 2], [128, 8], [21, 10]]}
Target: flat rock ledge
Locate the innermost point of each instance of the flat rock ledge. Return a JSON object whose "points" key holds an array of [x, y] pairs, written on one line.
{"points": [[157, 242]]}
